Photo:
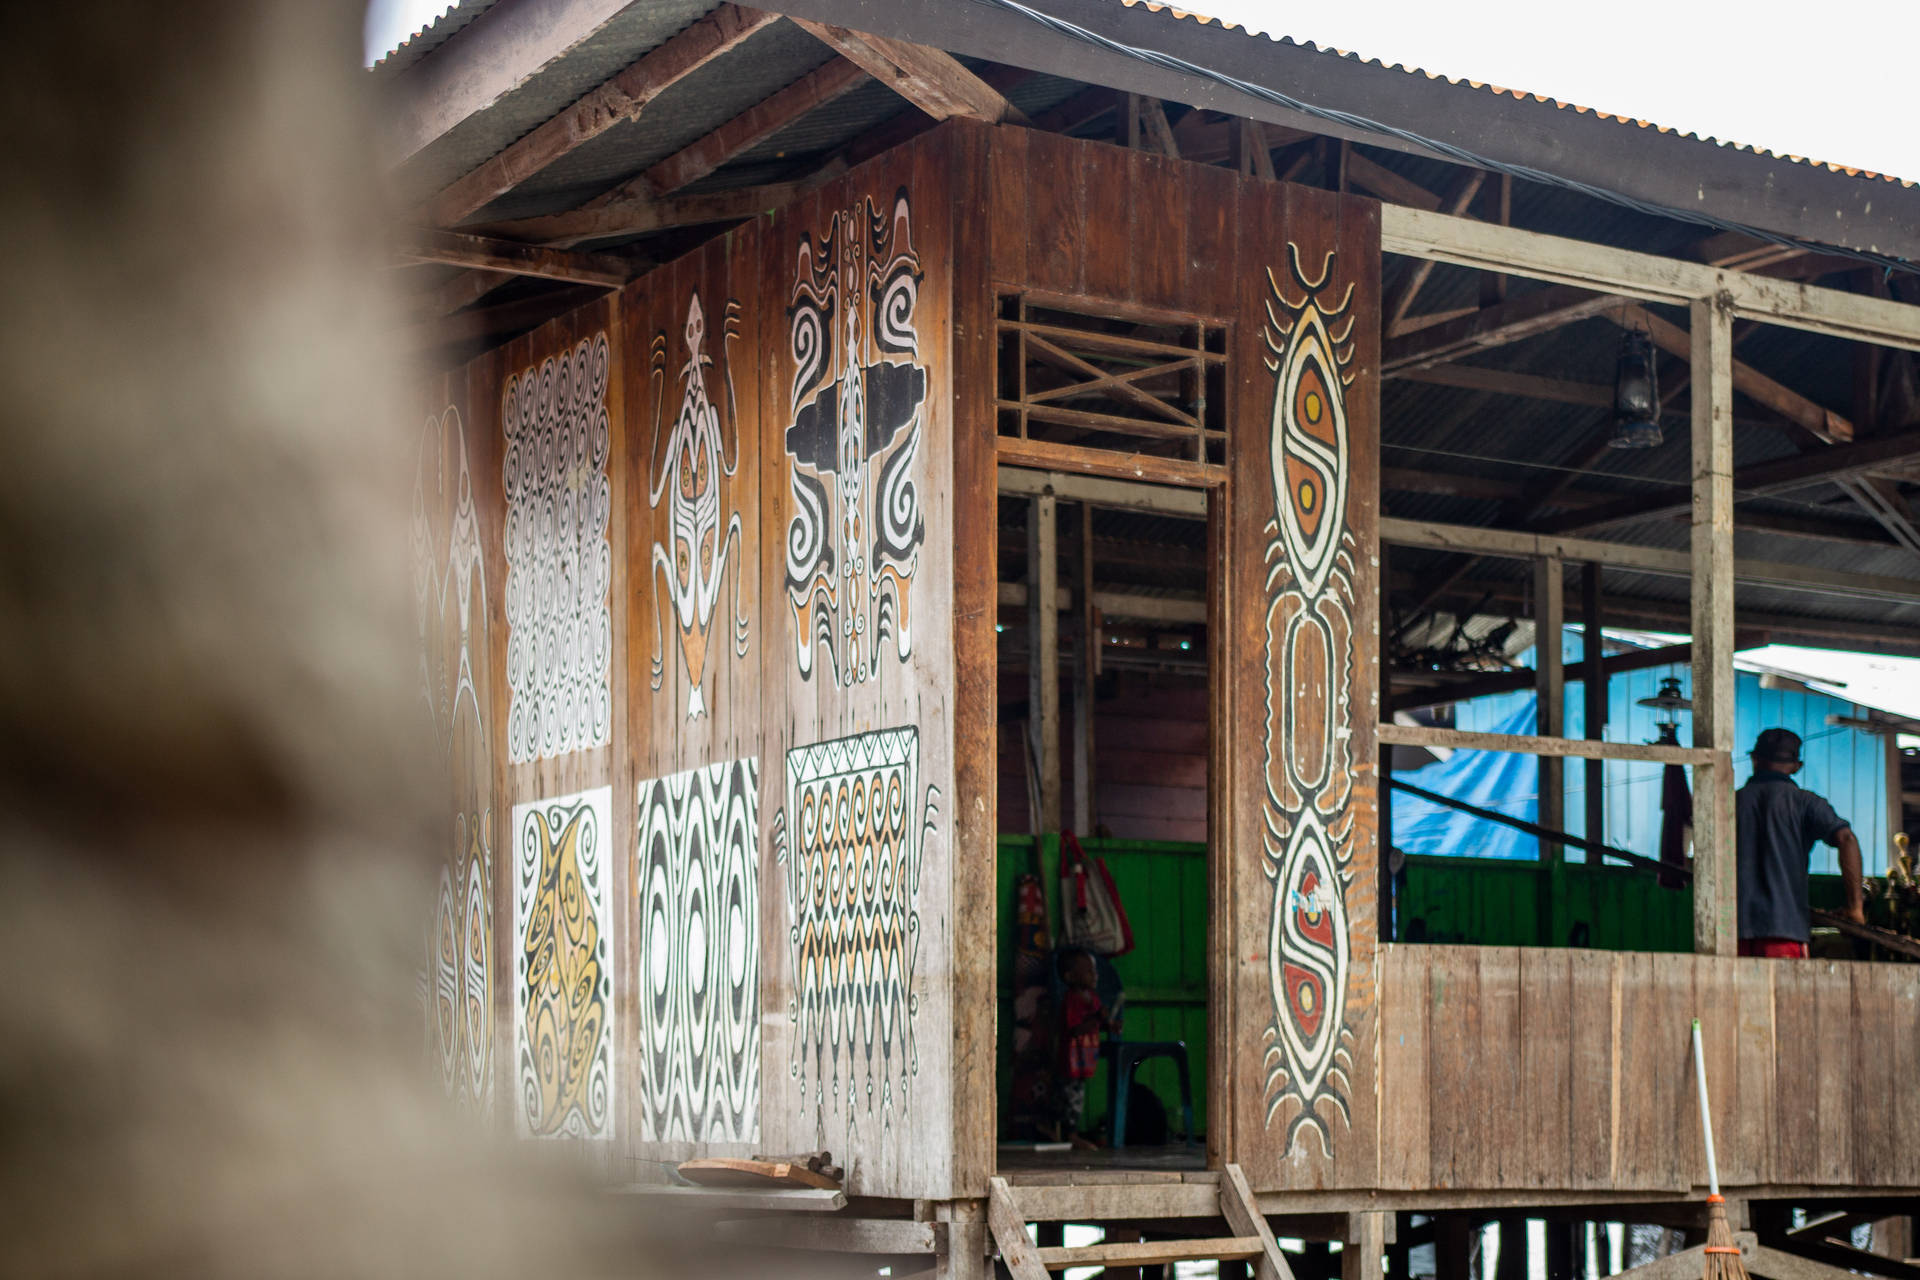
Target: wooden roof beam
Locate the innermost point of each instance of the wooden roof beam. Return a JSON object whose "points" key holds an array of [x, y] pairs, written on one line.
{"points": [[460, 250], [464, 290], [486, 323], [752, 126], [1473, 377], [1655, 614], [639, 216], [931, 79], [1496, 326], [1823, 424], [1779, 476], [1396, 307], [482, 63], [619, 99]]}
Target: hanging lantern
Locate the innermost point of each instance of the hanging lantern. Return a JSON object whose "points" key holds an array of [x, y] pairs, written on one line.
{"points": [[1636, 395]]}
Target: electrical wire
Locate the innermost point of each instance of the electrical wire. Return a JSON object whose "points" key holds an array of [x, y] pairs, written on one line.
{"points": [[1460, 155]]}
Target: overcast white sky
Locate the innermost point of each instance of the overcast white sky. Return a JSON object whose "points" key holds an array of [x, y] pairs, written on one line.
{"points": [[1833, 81]]}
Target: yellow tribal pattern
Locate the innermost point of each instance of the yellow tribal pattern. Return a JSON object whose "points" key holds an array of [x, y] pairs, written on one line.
{"points": [[564, 1074]]}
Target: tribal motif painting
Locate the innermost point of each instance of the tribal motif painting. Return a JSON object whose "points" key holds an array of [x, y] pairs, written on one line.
{"points": [[563, 981], [688, 474], [450, 607], [1309, 660], [698, 880], [854, 445], [851, 836], [559, 563]]}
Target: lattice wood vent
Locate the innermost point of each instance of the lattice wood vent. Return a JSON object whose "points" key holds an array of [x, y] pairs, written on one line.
{"points": [[1074, 372]]}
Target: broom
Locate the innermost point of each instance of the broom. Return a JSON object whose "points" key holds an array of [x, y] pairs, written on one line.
{"points": [[1723, 1255]]}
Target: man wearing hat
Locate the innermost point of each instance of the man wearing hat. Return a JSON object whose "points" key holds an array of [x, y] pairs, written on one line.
{"points": [[1777, 823]]}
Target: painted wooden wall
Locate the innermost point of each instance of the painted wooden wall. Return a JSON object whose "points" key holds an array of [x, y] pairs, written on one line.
{"points": [[702, 770], [1295, 275], [1507, 1068]]}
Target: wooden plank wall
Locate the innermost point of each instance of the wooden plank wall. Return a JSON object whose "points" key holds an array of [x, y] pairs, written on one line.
{"points": [[729, 704], [1106, 225], [1508, 1068], [1151, 771], [876, 1060], [545, 776]]}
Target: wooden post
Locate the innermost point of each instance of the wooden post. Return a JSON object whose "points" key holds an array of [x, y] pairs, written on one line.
{"points": [[1715, 903], [1896, 804], [1387, 908], [966, 1253], [1595, 689], [1549, 617], [1043, 656], [1365, 1243], [1085, 669], [1132, 124]]}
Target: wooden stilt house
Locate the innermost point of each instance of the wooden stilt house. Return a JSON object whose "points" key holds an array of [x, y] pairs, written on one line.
{"points": [[771, 545]]}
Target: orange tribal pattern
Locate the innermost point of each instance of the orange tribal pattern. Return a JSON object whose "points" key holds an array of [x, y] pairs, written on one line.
{"points": [[1309, 651], [853, 446], [691, 565], [853, 886]]}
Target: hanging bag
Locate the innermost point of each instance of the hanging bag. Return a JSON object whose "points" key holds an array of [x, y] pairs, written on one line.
{"points": [[1090, 912]]}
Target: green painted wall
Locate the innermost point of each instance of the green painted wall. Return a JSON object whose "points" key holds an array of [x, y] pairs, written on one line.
{"points": [[1163, 887], [1503, 903]]}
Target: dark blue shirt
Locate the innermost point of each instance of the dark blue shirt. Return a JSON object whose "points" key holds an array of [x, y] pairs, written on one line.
{"points": [[1777, 823]]}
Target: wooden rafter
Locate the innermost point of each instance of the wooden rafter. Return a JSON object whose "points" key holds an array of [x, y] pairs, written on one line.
{"points": [[1779, 476], [461, 250], [1497, 326], [931, 79], [1823, 424], [484, 323], [465, 289], [1478, 378], [1395, 308], [640, 216], [486, 60], [619, 99], [752, 126]]}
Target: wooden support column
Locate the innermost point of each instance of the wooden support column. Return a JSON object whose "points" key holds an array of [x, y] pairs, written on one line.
{"points": [[1549, 618], [1085, 670], [1595, 691], [1386, 920], [965, 1257], [1365, 1243], [1715, 904], [1043, 656]]}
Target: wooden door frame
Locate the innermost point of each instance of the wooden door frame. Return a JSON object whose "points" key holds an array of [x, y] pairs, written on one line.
{"points": [[1209, 481]]}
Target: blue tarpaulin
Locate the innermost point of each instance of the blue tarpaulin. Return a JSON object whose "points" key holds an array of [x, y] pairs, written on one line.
{"points": [[1846, 766]]}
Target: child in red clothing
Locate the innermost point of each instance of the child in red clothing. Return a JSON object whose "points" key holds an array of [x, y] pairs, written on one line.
{"points": [[1083, 1021]]}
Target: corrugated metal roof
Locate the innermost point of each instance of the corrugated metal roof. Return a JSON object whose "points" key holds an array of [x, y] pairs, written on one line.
{"points": [[431, 37], [1185, 15]]}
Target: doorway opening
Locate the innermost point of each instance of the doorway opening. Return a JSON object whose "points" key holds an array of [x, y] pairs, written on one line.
{"points": [[1104, 868]]}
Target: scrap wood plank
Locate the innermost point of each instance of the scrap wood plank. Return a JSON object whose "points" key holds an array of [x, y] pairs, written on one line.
{"points": [[838, 1235], [720, 1172], [1150, 1253], [1243, 1215], [1870, 933], [803, 1199], [1009, 1229]]}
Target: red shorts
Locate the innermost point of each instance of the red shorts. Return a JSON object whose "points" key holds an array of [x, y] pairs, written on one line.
{"points": [[1773, 948]]}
